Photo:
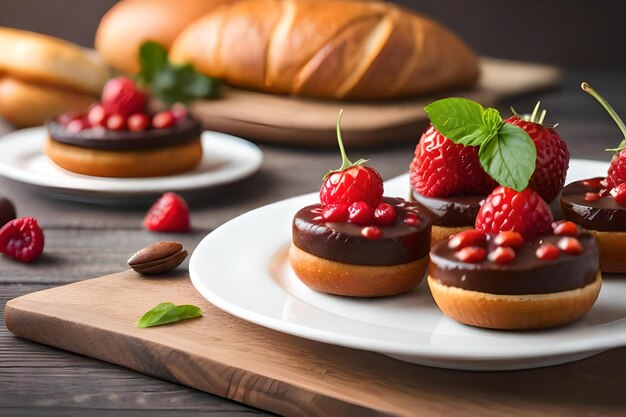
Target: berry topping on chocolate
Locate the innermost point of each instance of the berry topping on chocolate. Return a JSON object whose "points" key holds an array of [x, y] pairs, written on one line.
{"points": [[509, 239], [412, 219], [372, 232], [471, 254], [591, 197], [570, 245], [565, 228], [385, 214], [467, 238], [548, 252], [505, 209], [360, 213], [502, 255], [336, 214]]}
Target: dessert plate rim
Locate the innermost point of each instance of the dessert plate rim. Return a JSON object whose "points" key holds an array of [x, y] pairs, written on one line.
{"points": [[226, 159], [231, 269]]}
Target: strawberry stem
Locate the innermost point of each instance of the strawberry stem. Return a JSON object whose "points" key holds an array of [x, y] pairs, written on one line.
{"points": [[533, 116], [345, 162], [587, 88]]}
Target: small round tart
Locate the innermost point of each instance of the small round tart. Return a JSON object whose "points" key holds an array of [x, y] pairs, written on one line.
{"points": [[345, 259], [505, 282], [449, 215], [584, 203], [102, 152]]}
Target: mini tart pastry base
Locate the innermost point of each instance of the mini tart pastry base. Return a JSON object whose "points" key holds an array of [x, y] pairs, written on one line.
{"points": [[612, 247], [441, 233], [514, 312], [355, 280], [125, 164]]}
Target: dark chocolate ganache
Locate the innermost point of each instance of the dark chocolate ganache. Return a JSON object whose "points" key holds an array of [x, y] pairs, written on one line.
{"points": [[526, 274], [183, 131], [343, 242], [457, 211], [603, 214]]}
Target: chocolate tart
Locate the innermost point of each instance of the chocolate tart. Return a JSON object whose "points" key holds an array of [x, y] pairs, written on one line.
{"points": [[603, 217], [449, 215], [527, 293], [98, 151], [337, 258]]}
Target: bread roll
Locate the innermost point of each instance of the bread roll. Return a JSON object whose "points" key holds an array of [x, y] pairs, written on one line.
{"points": [[131, 22], [28, 104], [44, 59], [342, 49]]}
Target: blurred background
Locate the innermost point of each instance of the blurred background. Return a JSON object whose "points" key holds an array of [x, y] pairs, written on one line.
{"points": [[577, 33]]}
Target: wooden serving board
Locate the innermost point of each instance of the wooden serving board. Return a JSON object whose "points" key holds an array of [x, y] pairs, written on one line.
{"points": [[307, 122], [223, 355]]}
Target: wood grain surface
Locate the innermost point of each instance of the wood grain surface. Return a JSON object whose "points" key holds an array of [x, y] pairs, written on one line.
{"points": [[305, 122], [84, 241], [287, 375]]}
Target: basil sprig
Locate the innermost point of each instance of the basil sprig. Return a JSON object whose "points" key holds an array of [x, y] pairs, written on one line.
{"points": [[172, 83], [506, 152], [166, 313]]}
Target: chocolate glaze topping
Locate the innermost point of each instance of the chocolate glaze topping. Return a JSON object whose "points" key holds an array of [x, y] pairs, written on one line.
{"points": [[457, 211], [183, 131], [342, 242], [603, 214], [527, 274]]}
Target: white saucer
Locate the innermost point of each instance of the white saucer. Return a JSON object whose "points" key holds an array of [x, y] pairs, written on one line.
{"points": [[226, 159], [242, 268]]}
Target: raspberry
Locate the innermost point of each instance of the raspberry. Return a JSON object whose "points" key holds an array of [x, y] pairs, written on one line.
{"points": [[357, 183], [97, 115], [121, 96], [168, 214], [620, 194], [442, 168], [138, 122], [116, 122], [385, 214], [506, 209], [163, 120], [335, 214], [361, 213], [22, 239], [617, 170], [552, 158]]}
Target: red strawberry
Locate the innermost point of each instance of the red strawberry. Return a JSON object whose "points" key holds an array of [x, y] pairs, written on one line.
{"points": [[121, 96], [22, 239], [552, 155], [506, 209], [352, 182], [442, 168], [168, 214]]}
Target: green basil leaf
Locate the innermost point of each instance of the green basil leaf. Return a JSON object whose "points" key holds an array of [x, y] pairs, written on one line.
{"points": [[152, 58], [461, 120], [509, 157], [168, 313]]}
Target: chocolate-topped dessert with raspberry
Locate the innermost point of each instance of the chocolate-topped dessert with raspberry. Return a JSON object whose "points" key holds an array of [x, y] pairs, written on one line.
{"points": [[458, 161], [356, 242], [517, 269], [599, 204], [118, 137]]}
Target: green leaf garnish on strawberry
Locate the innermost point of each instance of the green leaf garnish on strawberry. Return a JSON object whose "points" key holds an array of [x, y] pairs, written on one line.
{"points": [[506, 152]]}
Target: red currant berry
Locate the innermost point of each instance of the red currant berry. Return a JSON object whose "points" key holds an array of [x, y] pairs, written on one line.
{"points": [[371, 232], [77, 125], [138, 122], [471, 254], [502, 255], [619, 193], [565, 228], [412, 219], [467, 238], [509, 239], [97, 115], [592, 197], [116, 122], [360, 213], [385, 214], [547, 252], [163, 120], [570, 245], [335, 214]]}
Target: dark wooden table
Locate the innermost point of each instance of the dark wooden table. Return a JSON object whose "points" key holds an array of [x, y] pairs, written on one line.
{"points": [[84, 241]]}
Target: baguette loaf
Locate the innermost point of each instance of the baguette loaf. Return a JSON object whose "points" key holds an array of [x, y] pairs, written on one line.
{"points": [[131, 22], [341, 49], [43, 59]]}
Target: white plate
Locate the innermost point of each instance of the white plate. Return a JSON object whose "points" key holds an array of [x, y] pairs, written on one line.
{"points": [[242, 268], [226, 159]]}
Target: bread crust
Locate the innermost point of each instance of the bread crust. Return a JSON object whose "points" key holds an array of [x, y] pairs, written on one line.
{"points": [[612, 247], [129, 23], [46, 60], [125, 164], [355, 280], [340, 49], [28, 104], [514, 312]]}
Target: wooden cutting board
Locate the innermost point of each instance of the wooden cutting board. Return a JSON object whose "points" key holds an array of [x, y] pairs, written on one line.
{"points": [[307, 122], [223, 355]]}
